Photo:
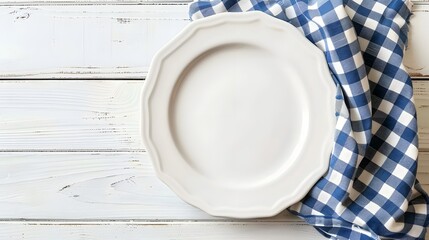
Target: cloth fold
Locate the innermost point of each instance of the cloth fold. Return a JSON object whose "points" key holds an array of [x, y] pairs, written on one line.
{"points": [[370, 190]]}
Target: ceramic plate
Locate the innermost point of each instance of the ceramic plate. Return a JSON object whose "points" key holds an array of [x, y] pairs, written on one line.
{"points": [[239, 114]]}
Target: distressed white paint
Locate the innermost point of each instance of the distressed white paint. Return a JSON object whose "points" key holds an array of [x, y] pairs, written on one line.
{"points": [[120, 186], [421, 96], [85, 41], [117, 41], [70, 115], [157, 231], [86, 186]]}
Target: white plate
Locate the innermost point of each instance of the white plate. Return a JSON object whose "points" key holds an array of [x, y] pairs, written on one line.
{"points": [[239, 114]]}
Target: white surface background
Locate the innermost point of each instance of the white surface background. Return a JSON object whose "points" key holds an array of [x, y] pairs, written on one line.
{"points": [[72, 164]]}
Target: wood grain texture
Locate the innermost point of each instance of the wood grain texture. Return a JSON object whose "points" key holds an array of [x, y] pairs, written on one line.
{"points": [[117, 41], [89, 186], [421, 97], [86, 186], [70, 115], [161, 231], [94, 115], [101, 186], [103, 41]]}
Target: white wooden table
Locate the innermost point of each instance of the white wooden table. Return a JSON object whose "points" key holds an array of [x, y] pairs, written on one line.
{"points": [[72, 163]]}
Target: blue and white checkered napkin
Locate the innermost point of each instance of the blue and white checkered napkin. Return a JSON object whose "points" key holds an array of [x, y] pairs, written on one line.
{"points": [[370, 190]]}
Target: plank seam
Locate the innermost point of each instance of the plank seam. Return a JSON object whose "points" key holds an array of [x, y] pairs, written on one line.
{"points": [[93, 3], [72, 150], [140, 221]]}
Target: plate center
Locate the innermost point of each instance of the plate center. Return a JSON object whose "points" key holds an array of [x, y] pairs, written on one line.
{"points": [[236, 115]]}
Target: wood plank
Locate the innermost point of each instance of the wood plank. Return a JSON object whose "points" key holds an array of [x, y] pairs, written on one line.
{"points": [[421, 97], [74, 115], [93, 115], [162, 231], [90, 186], [86, 186], [117, 41], [85, 41], [100, 186]]}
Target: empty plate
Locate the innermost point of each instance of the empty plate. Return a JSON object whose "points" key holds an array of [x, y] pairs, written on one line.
{"points": [[238, 114]]}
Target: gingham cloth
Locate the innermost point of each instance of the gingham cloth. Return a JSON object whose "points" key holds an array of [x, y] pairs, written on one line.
{"points": [[370, 190]]}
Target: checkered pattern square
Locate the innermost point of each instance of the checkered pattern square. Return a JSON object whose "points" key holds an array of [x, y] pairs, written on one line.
{"points": [[370, 190]]}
